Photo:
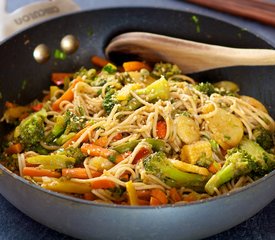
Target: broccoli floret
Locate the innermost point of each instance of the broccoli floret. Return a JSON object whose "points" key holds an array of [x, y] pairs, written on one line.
{"points": [[159, 165], [264, 138], [74, 153], [31, 130], [65, 124], [206, 88], [153, 92], [248, 157], [165, 69], [109, 101]]}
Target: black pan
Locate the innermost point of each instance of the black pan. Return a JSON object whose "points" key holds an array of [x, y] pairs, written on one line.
{"points": [[22, 80]]}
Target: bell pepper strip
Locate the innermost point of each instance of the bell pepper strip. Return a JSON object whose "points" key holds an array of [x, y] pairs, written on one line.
{"points": [[161, 129], [117, 137], [135, 66], [95, 150], [102, 184], [37, 107], [39, 172], [54, 161], [68, 95], [188, 167], [58, 78], [132, 194], [14, 148], [160, 195], [75, 173], [143, 152], [174, 195], [66, 186], [98, 61]]}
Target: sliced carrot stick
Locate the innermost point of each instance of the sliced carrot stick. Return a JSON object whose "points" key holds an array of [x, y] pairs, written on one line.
{"points": [[160, 195], [117, 137], [135, 66], [15, 148], [102, 141], [161, 129], [143, 202], [38, 172], [144, 194], [154, 201], [95, 173], [98, 61], [89, 196], [214, 167], [58, 78], [68, 95], [76, 137], [174, 195], [75, 173], [121, 157], [95, 150], [102, 184]]}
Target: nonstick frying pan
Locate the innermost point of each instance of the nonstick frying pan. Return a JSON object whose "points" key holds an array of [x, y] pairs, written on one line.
{"points": [[22, 80]]}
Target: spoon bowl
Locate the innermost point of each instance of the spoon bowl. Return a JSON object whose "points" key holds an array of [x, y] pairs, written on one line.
{"points": [[190, 56]]}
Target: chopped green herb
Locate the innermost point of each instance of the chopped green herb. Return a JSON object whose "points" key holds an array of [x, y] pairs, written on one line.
{"points": [[58, 54], [195, 19]]}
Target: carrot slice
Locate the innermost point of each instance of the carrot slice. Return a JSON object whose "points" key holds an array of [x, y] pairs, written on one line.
{"points": [[98, 61], [160, 195], [68, 95], [135, 66], [161, 129], [95, 150], [154, 201], [75, 173], [38, 172], [121, 157], [144, 194], [58, 78], [102, 184], [15, 148], [76, 137], [174, 195]]}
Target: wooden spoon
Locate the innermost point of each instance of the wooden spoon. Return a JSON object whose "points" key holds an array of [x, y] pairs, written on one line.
{"points": [[188, 55]]}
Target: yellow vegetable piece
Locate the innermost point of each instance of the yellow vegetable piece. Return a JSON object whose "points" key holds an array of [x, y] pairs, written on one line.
{"points": [[208, 108], [131, 193], [254, 102], [53, 90], [100, 163], [187, 167], [226, 128], [227, 85], [193, 152], [187, 129], [16, 112], [66, 186], [124, 93]]}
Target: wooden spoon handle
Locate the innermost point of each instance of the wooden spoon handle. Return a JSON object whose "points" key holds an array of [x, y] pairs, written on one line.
{"points": [[188, 55]]}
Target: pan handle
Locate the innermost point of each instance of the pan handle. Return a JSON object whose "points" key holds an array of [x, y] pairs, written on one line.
{"points": [[26, 16]]}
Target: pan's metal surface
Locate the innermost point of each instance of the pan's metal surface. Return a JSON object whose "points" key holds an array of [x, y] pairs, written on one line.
{"points": [[22, 79]]}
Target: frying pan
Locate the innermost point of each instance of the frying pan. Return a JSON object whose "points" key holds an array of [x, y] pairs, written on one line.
{"points": [[86, 220]]}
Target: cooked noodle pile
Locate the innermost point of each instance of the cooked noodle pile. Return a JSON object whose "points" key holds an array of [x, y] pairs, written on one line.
{"points": [[177, 120]]}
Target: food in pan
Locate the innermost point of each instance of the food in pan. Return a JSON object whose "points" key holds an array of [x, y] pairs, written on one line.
{"points": [[139, 135]]}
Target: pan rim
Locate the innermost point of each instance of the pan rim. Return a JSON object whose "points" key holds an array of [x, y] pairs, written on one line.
{"points": [[96, 204]]}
